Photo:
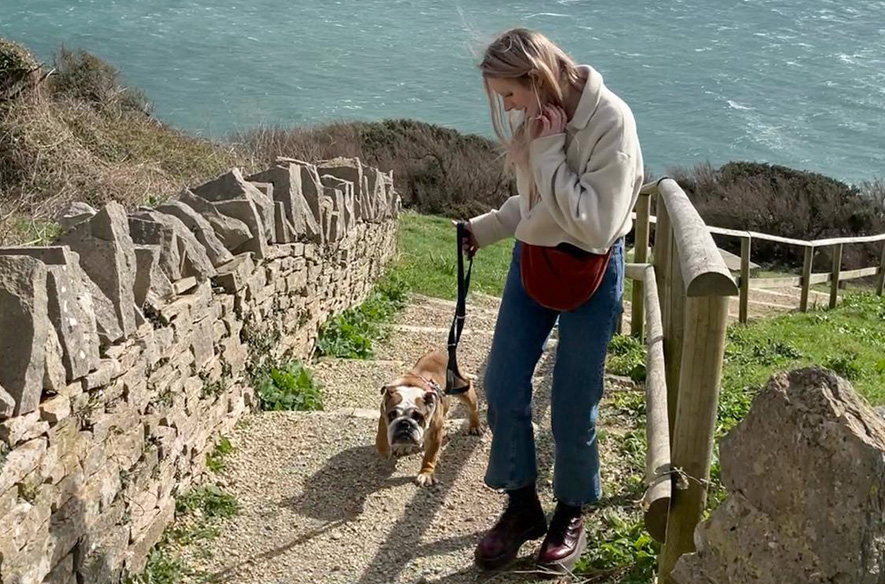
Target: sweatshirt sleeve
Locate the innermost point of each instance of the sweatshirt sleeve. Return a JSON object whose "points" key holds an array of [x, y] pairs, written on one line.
{"points": [[497, 225], [590, 206]]}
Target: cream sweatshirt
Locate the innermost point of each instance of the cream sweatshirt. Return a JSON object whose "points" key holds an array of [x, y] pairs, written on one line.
{"points": [[588, 179]]}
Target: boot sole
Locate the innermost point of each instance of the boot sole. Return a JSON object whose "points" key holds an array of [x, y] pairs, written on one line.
{"points": [[567, 564], [508, 558]]}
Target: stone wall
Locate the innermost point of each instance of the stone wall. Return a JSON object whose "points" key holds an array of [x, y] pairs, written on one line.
{"points": [[124, 349]]}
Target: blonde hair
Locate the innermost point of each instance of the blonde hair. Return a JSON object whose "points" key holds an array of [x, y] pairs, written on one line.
{"points": [[532, 59]]}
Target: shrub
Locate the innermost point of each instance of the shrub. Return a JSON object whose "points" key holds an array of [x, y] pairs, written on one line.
{"points": [[83, 77], [436, 170], [789, 203]]}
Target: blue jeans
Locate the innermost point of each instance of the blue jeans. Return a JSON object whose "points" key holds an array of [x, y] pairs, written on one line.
{"points": [[521, 332]]}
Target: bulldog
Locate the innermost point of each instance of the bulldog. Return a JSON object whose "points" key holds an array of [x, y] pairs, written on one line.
{"points": [[413, 413]]}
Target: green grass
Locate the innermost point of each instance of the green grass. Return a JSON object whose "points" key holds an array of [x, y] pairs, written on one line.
{"points": [[284, 387], [198, 516], [428, 259], [351, 334]]}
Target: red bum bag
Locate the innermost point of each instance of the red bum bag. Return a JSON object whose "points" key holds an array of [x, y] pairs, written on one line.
{"points": [[563, 277]]}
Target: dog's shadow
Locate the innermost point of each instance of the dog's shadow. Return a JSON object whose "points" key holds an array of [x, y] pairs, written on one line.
{"points": [[339, 490]]}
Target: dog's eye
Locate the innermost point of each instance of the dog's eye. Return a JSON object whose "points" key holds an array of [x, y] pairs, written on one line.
{"points": [[391, 416], [418, 417]]}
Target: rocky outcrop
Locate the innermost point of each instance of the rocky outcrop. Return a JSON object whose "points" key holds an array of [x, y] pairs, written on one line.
{"points": [[805, 473]]}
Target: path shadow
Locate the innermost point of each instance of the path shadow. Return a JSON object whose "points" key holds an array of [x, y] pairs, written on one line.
{"points": [[338, 491]]}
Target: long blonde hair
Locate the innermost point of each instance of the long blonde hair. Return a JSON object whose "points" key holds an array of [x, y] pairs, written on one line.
{"points": [[532, 59]]}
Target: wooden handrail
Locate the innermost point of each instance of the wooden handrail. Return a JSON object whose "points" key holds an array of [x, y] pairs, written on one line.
{"points": [[704, 272]]}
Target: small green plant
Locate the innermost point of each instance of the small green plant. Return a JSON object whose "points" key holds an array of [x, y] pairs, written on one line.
{"points": [[846, 365], [287, 387], [209, 500], [623, 552], [162, 568], [626, 356], [350, 334], [215, 459]]}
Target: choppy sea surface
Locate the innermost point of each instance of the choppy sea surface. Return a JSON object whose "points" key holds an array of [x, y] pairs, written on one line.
{"points": [[794, 82]]}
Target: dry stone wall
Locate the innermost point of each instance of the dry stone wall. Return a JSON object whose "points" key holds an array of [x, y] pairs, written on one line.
{"points": [[124, 348]]}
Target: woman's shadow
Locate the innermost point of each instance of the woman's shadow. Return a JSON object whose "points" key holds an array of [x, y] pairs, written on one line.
{"points": [[339, 490]]}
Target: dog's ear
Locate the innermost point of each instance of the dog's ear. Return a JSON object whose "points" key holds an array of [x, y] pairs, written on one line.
{"points": [[431, 400]]}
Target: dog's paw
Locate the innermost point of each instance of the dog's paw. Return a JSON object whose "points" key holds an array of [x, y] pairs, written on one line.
{"points": [[425, 479], [472, 430]]}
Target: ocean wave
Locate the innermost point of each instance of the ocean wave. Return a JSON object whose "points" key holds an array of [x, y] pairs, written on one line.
{"points": [[737, 106], [553, 14]]}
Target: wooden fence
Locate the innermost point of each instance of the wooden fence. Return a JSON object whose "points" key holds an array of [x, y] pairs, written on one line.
{"points": [[680, 300], [835, 277]]}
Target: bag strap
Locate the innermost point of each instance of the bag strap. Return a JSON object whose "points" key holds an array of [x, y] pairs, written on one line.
{"points": [[453, 374]]}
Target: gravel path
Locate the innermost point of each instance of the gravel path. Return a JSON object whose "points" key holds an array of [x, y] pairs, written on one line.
{"points": [[318, 505]]}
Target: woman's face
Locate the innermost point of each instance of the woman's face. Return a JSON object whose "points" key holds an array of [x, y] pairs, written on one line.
{"points": [[514, 94]]}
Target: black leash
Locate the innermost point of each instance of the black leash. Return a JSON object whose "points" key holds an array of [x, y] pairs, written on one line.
{"points": [[453, 374]]}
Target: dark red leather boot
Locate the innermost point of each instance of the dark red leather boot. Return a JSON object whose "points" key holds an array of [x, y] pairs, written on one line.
{"points": [[566, 539], [522, 520]]}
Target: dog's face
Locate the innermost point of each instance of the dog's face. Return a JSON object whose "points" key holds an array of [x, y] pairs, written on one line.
{"points": [[407, 412]]}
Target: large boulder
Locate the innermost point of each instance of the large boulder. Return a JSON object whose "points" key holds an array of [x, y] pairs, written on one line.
{"points": [[805, 472], [107, 256]]}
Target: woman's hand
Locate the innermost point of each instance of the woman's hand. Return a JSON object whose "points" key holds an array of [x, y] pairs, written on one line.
{"points": [[551, 121], [469, 244]]}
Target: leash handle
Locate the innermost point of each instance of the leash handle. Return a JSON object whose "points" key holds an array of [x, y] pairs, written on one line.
{"points": [[455, 331]]}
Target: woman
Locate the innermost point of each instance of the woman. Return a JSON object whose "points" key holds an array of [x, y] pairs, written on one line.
{"points": [[573, 146]]}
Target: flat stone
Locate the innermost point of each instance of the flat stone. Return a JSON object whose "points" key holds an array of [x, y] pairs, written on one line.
{"points": [[55, 409], [7, 404], [63, 572], [71, 308], [201, 228], [152, 286], [54, 377], [350, 170], [294, 185], [344, 206], [22, 428], [74, 214], [24, 324], [246, 211], [232, 232], [188, 251], [21, 461], [804, 472], [232, 186], [107, 256], [284, 229], [138, 551], [233, 275]]}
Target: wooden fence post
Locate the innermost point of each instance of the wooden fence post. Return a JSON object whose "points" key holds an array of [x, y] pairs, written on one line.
{"points": [[834, 275], [746, 243], [806, 278], [640, 256], [880, 278], [706, 319]]}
